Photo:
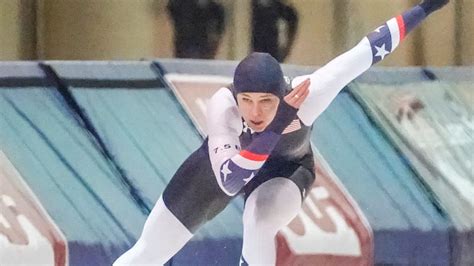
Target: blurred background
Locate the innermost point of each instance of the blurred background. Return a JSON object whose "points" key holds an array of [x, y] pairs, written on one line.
{"points": [[305, 32], [87, 147]]}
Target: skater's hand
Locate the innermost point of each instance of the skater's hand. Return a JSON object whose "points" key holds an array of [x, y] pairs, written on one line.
{"points": [[432, 5], [297, 96], [288, 108]]}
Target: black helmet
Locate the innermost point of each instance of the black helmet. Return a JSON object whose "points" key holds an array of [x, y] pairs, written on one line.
{"points": [[259, 72]]}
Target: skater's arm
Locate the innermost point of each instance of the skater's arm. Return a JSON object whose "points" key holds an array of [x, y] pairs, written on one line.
{"points": [[228, 161], [329, 80]]}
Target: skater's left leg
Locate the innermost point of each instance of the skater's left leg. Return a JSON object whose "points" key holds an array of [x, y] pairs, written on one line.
{"points": [[273, 199], [271, 206]]}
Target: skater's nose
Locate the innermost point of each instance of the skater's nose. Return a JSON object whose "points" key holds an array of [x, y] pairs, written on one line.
{"points": [[255, 110]]}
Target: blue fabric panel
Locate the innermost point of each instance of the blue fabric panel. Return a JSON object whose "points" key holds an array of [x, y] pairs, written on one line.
{"points": [[146, 135], [80, 187], [149, 138], [399, 210], [454, 74], [436, 142], [198, 67], [62, 166], [20, 70]]}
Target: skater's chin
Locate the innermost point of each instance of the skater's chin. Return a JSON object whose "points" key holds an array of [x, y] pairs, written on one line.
{"points": [[257, 126]]}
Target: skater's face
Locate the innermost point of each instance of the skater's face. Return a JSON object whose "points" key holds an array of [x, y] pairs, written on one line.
{"points": [[258, 109]]}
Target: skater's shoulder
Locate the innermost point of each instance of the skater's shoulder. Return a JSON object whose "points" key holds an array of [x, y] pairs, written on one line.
{"points": [[223, 97]]}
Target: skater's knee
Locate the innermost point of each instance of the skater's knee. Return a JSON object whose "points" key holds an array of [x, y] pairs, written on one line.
{"points": [[272, 205]]}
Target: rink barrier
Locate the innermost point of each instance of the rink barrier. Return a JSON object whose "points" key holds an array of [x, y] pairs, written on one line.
{"points": [[65, 130]]}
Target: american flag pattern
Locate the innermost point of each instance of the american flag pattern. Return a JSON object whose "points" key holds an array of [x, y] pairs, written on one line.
{"points": [[240, 169], [293, 126], [249, 160], [237, 171], [384, 39], [233, 177]]}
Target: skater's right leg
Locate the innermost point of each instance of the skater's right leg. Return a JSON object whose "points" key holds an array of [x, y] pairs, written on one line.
{"points": [[163, 235]]}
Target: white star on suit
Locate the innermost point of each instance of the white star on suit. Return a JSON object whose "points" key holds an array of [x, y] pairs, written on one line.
{"points": [[225, 170], [381, 51], [379, 28], [246, 180]]}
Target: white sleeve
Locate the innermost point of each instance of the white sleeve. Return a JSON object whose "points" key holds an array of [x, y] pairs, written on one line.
{"points": [[224, 126], [329, 80]]}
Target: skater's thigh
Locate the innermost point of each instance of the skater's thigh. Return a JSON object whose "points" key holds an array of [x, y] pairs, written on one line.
{"points": [[193, 194], [298, 174]]}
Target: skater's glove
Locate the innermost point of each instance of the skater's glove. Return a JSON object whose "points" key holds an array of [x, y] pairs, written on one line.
{"points": [[430, 6], [285, 114]]}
